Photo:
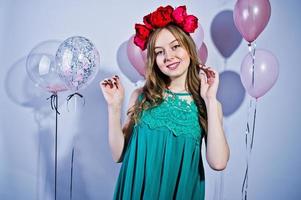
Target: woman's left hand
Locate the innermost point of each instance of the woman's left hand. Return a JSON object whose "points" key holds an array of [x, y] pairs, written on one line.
{"points": [[209, 82]]}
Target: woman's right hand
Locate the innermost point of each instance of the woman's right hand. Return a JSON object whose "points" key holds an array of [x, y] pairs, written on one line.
{"points": [[113, 91]]}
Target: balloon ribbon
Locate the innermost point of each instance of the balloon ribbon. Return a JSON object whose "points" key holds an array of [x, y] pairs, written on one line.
{"points": [[253, 61], [244, 189], [71, 176], [54, 106], [73, 95]]}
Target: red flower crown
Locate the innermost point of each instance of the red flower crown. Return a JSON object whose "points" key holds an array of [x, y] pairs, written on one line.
{"points": [[161, 18]]}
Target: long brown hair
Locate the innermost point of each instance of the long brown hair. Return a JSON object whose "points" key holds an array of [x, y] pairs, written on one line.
{"points": [[156, 81]]}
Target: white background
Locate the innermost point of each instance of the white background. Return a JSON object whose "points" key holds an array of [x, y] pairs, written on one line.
{"points": [[27, 122]]}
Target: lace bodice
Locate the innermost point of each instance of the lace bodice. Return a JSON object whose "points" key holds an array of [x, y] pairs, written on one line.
{"points": [[177, 113]]}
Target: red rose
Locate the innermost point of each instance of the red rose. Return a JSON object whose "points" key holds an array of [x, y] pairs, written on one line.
{"points": [[179, 14], [190, 23], [147, 21], [140, 42], [142, 31], [161, 17]]}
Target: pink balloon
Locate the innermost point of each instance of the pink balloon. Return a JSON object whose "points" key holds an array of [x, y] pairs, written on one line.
{"points": [[203, 53], [266, 71], [198, 36], [144, 55], [135, 57], [251, 17]]}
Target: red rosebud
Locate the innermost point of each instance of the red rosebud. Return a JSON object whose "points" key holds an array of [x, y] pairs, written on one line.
{"points": [[142, 31], [179, 14], [147, 21], [140, 42], [161, 17], [190, 23]]}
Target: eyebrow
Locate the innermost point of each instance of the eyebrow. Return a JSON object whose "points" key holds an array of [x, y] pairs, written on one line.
{"points": [[169, 43]]}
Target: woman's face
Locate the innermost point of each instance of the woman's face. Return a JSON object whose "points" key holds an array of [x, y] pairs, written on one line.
{"points": [[171, 57]]}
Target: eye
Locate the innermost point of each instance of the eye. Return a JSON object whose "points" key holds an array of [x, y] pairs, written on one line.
{"points": [[158, 53], [176, 46]]}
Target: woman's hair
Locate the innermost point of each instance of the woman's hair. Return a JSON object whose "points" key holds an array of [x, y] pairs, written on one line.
{"points": [[157, 82]]}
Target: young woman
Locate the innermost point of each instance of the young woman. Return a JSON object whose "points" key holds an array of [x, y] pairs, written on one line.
{"points": [[160, 142]]}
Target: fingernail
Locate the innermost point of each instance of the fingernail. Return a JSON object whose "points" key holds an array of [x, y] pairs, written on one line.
{"points": [[116, 85]]}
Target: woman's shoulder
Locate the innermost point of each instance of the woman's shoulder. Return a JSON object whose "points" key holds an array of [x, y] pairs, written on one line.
{"points": [[136, 95], [137, 92]]}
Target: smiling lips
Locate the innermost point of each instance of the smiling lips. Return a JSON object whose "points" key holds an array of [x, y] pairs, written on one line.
{"points": [[173, 66]]}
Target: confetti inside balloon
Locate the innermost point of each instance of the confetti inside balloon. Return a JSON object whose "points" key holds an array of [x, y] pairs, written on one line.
{"points": [[77, 62]]}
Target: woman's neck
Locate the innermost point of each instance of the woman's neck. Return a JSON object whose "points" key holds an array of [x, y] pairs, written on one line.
{"points": [[178, 85]]}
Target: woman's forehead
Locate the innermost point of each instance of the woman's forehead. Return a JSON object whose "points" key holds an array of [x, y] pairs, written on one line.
{"points": [[165, 37]]}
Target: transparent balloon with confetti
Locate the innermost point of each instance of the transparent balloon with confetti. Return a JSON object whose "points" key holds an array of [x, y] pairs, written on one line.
{"points": [[77, 62]]}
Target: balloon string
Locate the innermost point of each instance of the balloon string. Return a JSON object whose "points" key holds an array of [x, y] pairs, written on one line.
{"points": [[54, 106], [249, 148], [252, 52], [244, 190], [247, 131], [56, 109], [53, 102], [253, 129], [71, 181], [73, 95]]}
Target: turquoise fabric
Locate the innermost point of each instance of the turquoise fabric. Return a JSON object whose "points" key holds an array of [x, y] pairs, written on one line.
{"points": [[163, 157]]}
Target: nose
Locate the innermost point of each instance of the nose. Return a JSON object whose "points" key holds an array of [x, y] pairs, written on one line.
{"points": [[168, 55]]}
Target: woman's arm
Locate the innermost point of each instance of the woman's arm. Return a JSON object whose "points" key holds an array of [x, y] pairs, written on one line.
{"points": [[113, 93], [217, 149], [117, 139]]}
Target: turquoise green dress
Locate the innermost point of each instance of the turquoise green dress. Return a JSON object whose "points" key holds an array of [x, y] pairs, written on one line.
{"points": [[163, 157]]}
